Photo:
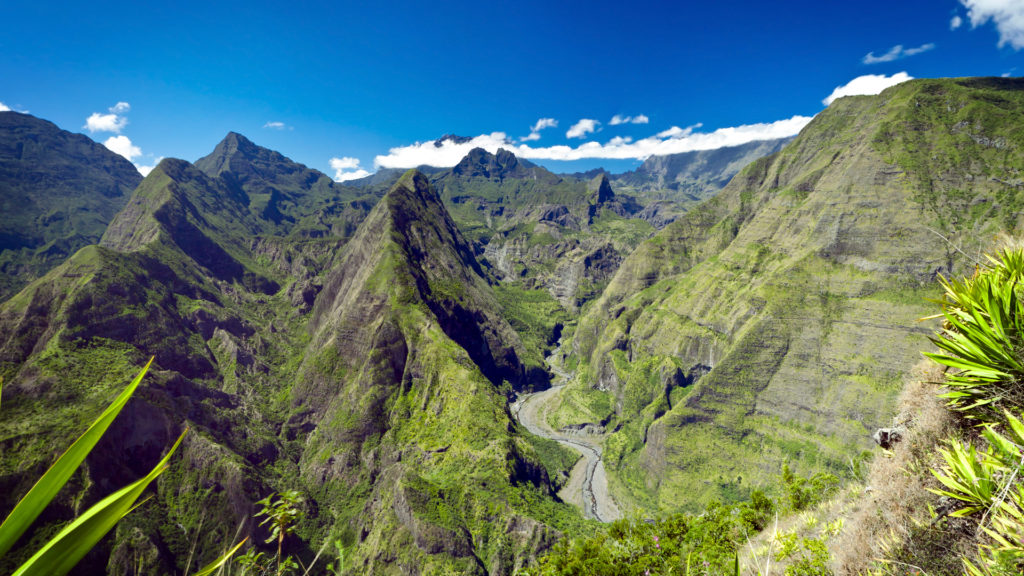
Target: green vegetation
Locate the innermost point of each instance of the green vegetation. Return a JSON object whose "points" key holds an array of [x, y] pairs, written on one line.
{"points": [[62, 552], [708, 543], [534, 314], [981, 340]]}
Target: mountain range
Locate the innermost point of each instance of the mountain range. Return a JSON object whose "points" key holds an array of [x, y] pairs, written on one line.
{"points": [[364, 343]]}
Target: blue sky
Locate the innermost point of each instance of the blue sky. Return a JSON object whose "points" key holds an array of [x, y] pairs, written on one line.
{"points": [[362, 83]]}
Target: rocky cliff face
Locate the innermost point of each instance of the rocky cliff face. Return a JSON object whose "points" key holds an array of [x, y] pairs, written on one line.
{"points": [[693, 176], [58, 191], [775, 321]]}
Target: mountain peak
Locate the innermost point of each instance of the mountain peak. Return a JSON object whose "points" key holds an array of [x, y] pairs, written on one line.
{"points": [[602, 189], [451, 138], [239, 155], [504, 164]]}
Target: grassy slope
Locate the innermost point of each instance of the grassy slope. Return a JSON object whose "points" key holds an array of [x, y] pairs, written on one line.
{"points": [[799, 286]]}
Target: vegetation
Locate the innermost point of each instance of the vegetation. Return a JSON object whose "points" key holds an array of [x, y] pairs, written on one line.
{"points": [[708, 543], [62, 552], [981, 341]]}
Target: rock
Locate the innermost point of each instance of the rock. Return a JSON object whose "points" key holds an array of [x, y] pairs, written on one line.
{"points": [[887, 437]]}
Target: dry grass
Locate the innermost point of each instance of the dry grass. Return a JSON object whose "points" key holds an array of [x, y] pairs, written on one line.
{"points": [[893, 529]]}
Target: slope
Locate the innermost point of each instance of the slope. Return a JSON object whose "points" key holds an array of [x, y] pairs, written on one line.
{"points": [[58, 191], [401, 402], [775, 322]]}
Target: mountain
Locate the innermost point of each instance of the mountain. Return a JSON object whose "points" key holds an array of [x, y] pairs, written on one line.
{"points": [[401, 400], [369, 370], [668, 184], [775, 322], [539, 230], [58, 192], [696, 175]]}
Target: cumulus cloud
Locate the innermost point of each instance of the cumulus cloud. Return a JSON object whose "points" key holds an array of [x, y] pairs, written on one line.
{"points": [[620, 119], [537, 127], [897, 52], [672, 141], [1007, 15], [120, 108], [582, 128], [676, 131], [277, 126], [105, 123], [4, 108], [347, 168], [955, 22], [123, 145], [869, 84]]}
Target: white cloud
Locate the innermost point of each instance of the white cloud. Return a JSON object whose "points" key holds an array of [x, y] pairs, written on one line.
{"points": [[544, 123], [145, 170], [869, 84], [897, 52], [347, 168], [676, 131], [1007, 15], [277, 126], [537, 127], [120, 108], [955, 22], [582, 128], [671, 141], [105, 123], [123, 145], [620, 119], [4, 108]]}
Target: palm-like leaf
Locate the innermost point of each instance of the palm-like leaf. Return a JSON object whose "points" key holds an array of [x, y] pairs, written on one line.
{"points": [[29, 508], [64, 550]]}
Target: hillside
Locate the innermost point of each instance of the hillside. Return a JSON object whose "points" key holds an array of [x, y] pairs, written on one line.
{"points": [[775, 322], [58, 192]]}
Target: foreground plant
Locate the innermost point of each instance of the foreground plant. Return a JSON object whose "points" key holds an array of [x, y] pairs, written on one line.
{"points": [[983, 341], [62, 552]]}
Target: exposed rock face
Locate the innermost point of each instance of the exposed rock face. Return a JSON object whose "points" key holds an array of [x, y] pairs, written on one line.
{"points": [[58, 192], [783, 284], [540, 229]]}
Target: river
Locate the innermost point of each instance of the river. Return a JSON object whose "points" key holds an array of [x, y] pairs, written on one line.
{"points": [[587, 487]]}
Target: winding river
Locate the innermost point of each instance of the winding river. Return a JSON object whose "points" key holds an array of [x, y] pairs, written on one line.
{"points": [[587, 487]]}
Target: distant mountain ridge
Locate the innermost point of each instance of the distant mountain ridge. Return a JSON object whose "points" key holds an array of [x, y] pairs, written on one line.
{"points": [[58, 192]]}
